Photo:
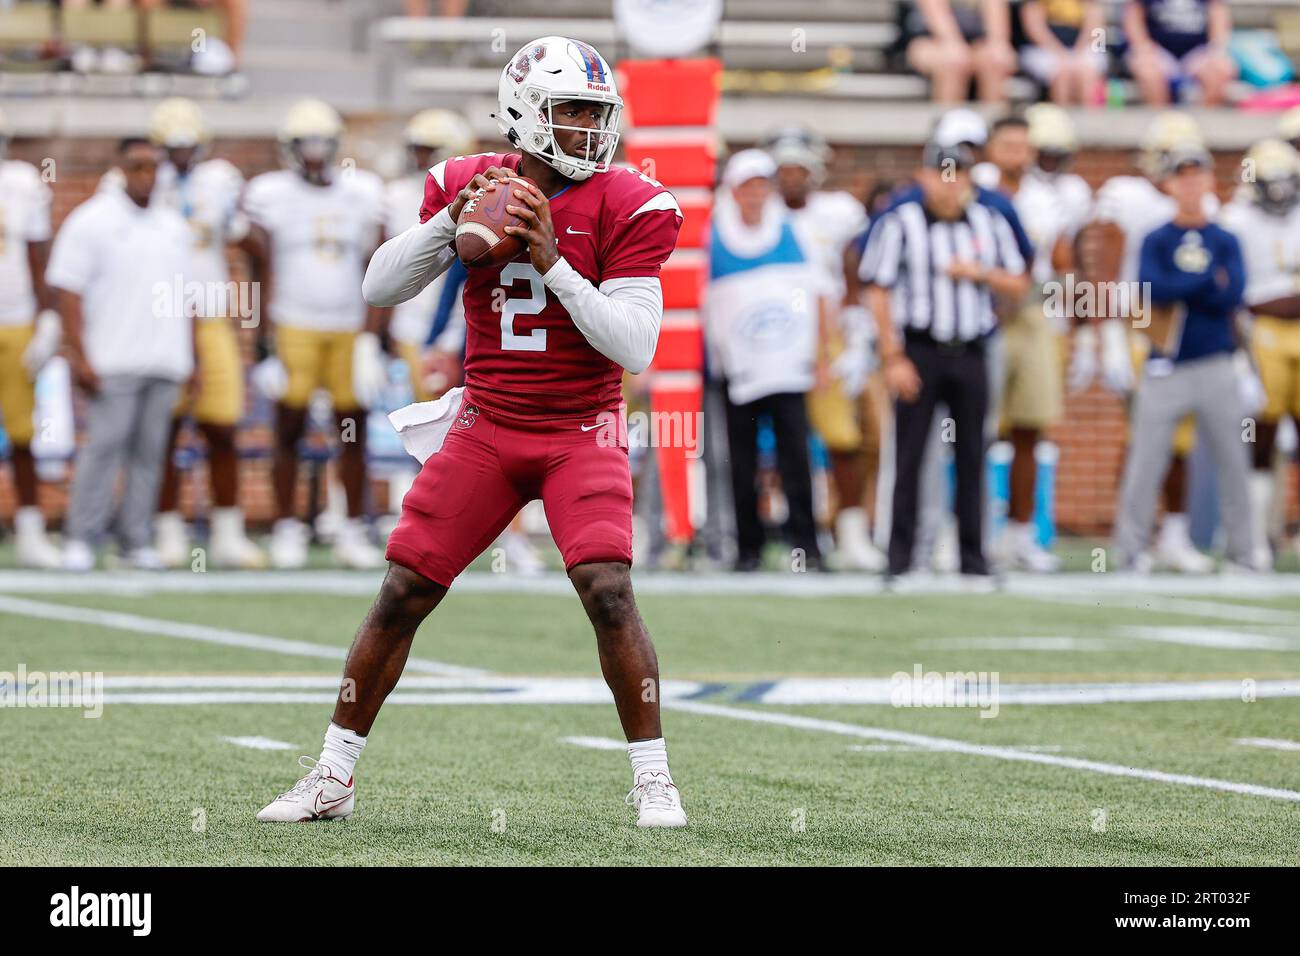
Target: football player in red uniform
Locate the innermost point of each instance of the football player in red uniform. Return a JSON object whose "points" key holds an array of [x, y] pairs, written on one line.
{"points": [[548, 337]]}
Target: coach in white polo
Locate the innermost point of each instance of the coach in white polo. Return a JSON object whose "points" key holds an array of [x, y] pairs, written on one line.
{"points": [[116, 266]]}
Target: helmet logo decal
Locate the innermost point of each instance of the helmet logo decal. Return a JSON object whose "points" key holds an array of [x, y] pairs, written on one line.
{"points": [[589, 60], [523, 63]]}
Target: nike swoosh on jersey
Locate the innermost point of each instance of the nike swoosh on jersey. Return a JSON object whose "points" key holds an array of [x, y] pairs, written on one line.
{"points": [[576, 232], [587, 428]]}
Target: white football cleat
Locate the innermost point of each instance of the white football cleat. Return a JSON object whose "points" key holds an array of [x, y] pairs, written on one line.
{"points": [[1175, 550], [352, 547], [318, 796], [78, 556], [289, 544], [855, 551], [229, 543], [32, 546], [657, 802], [171, 539], [145, 559]]}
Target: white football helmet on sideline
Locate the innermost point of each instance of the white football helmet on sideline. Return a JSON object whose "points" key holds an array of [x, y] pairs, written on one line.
{"points": [[310, 132], [554, 70], [441, 130], [176, 123]]}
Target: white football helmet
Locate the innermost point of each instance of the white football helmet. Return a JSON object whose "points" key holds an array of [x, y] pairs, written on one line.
{"points": [[555, 70], [440, 130], [177, 124], [310, 132]]}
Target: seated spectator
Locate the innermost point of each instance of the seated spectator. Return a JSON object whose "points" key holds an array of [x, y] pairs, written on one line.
{"points": [[949, 41], [1172, 42], [1067, 49]]}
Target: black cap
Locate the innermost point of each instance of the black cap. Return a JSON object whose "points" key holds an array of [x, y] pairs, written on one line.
{"points": [[935, 156]]}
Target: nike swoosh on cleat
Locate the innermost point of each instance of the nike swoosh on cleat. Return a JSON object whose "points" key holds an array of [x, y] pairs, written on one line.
{"points": [[322, 805]]}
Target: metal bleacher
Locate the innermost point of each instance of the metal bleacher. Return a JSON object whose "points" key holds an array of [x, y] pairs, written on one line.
{"points": [[784, 60]]}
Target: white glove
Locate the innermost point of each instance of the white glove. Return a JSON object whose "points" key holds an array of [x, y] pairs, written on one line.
{"points": [[1250, 389], [46, 337], [270, 378], [1116, 358], [1084, 364], [369, 376]]}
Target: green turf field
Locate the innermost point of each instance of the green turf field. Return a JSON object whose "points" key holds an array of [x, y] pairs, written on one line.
{"points": [[786, 749]]}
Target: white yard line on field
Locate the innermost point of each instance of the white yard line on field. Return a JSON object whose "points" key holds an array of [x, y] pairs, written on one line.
{"points": [[1069, 587], [977, 750], [791, 691], [259, 743], [1268, 743], [1212, 637], [1237, 613], [181, 630], [1019, 644]]}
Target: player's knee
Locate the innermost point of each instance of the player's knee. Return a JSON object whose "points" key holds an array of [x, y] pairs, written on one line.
{"points": [[607, 593], [406, 595]]}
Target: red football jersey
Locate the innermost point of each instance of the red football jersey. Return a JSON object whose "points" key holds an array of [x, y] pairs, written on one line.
{"points": [[523, 354]]}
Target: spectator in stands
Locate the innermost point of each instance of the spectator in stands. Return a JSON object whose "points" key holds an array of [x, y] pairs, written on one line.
{"points": [[934, 309], [1172, 42], [765, 305], [951, 41], [1197, 279], [130, 343], [1067, 49]]}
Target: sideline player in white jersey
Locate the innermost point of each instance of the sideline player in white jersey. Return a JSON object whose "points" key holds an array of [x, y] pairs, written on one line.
{"points": [[841, 410], [1052, 205], [1127, 210], [29, 337], [430, 137], [206, 193], [319, 223], [1265, 217]]}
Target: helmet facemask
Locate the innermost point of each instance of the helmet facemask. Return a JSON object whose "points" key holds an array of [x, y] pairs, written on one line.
{"points": [[1278, 196], [298, 153], [601, 140]]}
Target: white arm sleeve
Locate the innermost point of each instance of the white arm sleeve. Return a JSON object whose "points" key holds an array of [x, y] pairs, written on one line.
{"points": [[621, 319], [408, 262]]}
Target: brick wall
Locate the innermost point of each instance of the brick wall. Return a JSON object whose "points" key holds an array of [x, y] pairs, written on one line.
{"points": [[1091, 437]]}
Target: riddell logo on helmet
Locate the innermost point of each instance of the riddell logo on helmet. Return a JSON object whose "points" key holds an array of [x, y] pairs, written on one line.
{"points": [[600, 87]]}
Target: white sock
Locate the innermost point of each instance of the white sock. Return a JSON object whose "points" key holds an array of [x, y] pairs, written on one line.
{"points": [[341, 750], [649, 756]]}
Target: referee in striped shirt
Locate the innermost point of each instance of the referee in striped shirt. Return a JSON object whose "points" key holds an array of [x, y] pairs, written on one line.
{"points": [[932, 268]]}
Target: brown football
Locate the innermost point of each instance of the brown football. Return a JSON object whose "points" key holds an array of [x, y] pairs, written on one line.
{"points": [[481, 238]]}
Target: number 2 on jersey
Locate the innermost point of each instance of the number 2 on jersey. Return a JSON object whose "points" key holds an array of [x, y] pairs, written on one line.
{"points": [[511, 341]]}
